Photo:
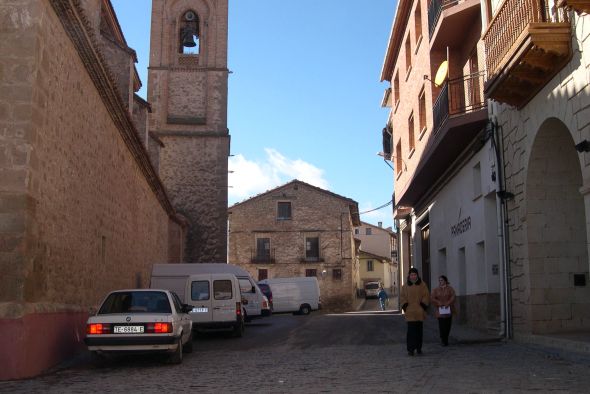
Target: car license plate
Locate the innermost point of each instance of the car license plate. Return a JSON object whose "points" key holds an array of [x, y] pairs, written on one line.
{"points": [[200, 310], [128, 329]]}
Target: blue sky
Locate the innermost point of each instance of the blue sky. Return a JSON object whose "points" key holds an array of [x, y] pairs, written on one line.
{"points": [[304, 95]]}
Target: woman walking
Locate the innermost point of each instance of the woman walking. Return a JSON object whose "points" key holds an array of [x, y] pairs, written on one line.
{"points": [[443, 298], [414, 299]]}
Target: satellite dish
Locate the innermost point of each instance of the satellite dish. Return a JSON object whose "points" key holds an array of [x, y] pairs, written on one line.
{"points": [[441, 73]]}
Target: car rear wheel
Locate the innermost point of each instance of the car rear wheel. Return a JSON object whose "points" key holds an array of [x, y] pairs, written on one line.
{"points": [[176, 357], [188, 346], [304, 309]]}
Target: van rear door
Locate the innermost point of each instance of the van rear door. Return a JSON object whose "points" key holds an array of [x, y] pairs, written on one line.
{"points": [[254, 305], [199, 289], [224, 298]]}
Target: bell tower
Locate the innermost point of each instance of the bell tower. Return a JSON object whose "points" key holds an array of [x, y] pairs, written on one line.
{"points": [[187, 89]]}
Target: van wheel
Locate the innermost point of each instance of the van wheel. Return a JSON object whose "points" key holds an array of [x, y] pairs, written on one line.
{"points": [[176, 357], [304, 309], [239, 330], [188, 346]]}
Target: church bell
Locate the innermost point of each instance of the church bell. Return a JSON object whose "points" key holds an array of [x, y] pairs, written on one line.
{"points": [[188, 34]]}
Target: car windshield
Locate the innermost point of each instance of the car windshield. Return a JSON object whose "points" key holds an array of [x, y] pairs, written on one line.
{"points": [[136, 302], [372, 286]]}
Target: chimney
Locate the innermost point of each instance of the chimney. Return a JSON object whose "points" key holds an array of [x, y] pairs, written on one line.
{"points": [[380, 224]]}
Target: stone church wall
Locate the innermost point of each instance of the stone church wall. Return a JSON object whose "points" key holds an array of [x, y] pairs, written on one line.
{"points": [[79, 217]]}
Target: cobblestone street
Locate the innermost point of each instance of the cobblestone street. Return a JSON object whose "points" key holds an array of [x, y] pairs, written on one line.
{"points": [[327, 353]]}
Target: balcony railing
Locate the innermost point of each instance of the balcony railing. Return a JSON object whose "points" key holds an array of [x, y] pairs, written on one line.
{"points": [[262, 256], [459, 96], [435, 8], [312, 259], [510, 21]]}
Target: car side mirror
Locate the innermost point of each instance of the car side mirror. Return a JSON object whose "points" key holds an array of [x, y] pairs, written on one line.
{"points": [[253, 289], [186, 308]]}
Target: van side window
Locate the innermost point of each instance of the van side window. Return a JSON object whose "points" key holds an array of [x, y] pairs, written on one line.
{"points": [[245, 286], [200, 290], [222, 290]]}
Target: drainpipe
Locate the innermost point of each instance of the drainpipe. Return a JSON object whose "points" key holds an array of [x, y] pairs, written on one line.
{"points": [[501, 207]]}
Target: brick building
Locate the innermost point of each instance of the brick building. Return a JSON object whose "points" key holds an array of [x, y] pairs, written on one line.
{"points": [[537, 65], [299, 230], [445, 166]]}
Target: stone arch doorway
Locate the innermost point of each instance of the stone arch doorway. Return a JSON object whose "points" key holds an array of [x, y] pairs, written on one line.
{"points": [[556, 232]]}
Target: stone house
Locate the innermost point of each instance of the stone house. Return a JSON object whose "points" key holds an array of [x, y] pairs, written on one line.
{"points": [[299, 230], [376, 256]]}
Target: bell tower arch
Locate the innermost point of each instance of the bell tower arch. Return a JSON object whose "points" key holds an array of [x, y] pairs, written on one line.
{"points": [[187, 89]]}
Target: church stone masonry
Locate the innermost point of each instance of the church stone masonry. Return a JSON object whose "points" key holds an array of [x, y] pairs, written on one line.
{"points": [[187, 91]]}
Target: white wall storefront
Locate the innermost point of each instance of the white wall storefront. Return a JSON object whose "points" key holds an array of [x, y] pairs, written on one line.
{"points": [[457, 236]]}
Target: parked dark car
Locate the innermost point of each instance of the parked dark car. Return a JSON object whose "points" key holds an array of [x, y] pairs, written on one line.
{"points": [[267, 292]]}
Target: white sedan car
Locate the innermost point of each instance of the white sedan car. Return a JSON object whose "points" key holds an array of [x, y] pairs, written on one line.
{"points": [[139, 321]]}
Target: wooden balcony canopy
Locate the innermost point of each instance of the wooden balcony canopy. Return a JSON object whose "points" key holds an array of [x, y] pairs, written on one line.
{"points": [[579, 6], [526, 44]]}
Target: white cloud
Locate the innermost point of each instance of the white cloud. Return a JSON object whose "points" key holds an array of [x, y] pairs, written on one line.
{"points": [[253, 177]]}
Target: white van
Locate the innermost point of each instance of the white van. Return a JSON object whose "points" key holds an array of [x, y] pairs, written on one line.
{"points": [[217, 302], [297, 294], [165, 275]]}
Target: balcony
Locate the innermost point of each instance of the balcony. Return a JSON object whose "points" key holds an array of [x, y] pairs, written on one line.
{"points": [[262, 256], [459, 116], [458, 97], [526, 44], [578, 5], [312, 259], [448, 20]]}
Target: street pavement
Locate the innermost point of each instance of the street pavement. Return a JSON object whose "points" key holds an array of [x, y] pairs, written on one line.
{"points": [[360, 352]]}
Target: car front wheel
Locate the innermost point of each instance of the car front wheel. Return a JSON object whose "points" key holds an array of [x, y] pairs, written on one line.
{"points": [[304, 309]]}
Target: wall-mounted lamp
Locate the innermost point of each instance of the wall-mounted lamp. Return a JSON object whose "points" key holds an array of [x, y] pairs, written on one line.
{"points": [[390, 157], [504, 195], [583, 146]]}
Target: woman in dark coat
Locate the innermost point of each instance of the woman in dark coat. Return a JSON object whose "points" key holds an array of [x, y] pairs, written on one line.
{"points": [[415, 299]]}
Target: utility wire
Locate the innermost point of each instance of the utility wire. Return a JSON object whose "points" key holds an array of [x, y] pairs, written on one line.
{"points": [[378, 208]]}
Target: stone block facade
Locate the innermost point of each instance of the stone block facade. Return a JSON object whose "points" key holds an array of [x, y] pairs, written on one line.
{"points": [[82, 209], [316, 215], [548, 216]]}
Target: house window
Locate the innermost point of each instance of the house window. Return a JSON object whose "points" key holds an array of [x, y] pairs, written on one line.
{"points": [[262, 274], [422, 113], [284, 210], [370, 265], [311, 272], [411, 139], [312, 248], [356, 231], [263, 248], [418, 24], [368, 231], [396, 92], [398, 158], [189, 37], [476, 180], [408, 56], [337, 274]]}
